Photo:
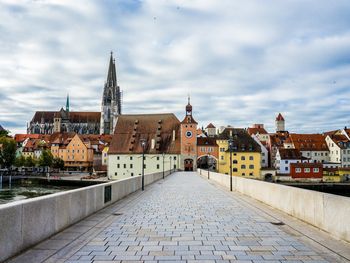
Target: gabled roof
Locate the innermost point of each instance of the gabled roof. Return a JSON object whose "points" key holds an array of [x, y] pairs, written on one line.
{"points": [[242, 141], [131, 129], [206, 141], [210, 125], [308, 142], [341, 140], [19, 138], [279, 117], [73, 116], [254, 130], [290, 154]]}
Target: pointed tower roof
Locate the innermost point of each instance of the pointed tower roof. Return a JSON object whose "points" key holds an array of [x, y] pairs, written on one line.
{"points": [[67, 103], [279, 117], [112, 75]]}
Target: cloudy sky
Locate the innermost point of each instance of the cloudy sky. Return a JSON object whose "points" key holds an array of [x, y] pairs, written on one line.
{"points": [[242, 62]]}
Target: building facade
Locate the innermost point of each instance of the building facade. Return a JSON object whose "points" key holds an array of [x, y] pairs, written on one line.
{"points": [[246, 154]]}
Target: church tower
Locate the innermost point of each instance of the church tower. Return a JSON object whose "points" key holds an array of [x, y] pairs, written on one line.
{"points": [[188, 140], [280, 123], [111, 100]]}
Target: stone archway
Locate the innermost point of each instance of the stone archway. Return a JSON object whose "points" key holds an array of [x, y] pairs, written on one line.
{"points": [[188, 164]]}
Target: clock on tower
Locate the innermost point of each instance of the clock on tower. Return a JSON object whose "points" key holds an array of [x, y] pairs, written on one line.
{"points": [[188, 140]]}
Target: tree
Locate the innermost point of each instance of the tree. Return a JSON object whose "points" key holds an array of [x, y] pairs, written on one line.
{"points": [[46, 159], [7, 151], [57, 163], [4, 133], [29, 162], [20, 161]]}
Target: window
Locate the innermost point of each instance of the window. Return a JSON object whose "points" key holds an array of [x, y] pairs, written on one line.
{"points": [[144, 166], [286, 162], [131, 166], [263, 160], [251, 158], [251, 166], [72, 151], [115, 173], [222, 157], [250, 174], [118, 157], [306, 170], [286, 168], [132, 174], [298, 170], [124, 165], [242, 158], [174, 157], [242, 166], [157, 166], [118, 165], [77, 151], [234, 169], [157, 158], [243, 174], [316, 170], [144, 157], [234, 161], [130, 157]]}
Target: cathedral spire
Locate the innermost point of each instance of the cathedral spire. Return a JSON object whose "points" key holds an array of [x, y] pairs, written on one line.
{"points": [[112, 76], [67, 103]]}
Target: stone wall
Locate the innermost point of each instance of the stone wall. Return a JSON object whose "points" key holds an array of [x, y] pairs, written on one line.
{"points": [[326, 211], [27, 222]]}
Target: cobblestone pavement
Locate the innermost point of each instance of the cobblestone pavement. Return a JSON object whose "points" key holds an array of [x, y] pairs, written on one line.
{"points": [[186, 219]]}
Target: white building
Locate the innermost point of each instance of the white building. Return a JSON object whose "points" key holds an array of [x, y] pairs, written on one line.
{"points": [[264, 152], [339, 148], [155, 135], [284, 157]]}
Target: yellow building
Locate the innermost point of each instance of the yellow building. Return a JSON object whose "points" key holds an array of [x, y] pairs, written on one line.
{"points": [[246, 154], [336, 175]]}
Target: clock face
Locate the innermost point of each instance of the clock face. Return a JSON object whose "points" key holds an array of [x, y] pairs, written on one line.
{"points": [[188, 134]]}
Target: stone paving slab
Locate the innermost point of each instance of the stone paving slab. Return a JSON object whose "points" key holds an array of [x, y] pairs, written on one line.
{"points": [[181, 219]]}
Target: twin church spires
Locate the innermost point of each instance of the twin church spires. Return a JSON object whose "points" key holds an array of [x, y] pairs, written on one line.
{"points": [[111, 100]]}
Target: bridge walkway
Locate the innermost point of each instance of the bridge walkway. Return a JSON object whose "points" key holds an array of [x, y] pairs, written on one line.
{"points": [[184, 218]]}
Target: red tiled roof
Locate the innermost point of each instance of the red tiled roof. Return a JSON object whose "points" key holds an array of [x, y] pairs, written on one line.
{"points": [[253, 130], [279, 117], [22, 137], [290, 154], [206, 141], [131, 129], [210, 125], [308, 142], [341, 140]]}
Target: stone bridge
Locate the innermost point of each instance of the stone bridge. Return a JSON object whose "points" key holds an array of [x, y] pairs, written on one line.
{"points": [[186, 218]]}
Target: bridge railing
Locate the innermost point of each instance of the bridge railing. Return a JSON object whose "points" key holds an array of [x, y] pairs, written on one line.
{"points": [[27, 222], [328, 212]]}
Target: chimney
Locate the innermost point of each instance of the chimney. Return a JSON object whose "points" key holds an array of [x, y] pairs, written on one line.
{"points": [[153, 143], [173, 135]]}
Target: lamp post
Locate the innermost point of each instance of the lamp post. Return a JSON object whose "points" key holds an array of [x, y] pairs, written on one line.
{"points": [[170, 164], [230, 146], [208, 155], [143, 144], [163, 163]]}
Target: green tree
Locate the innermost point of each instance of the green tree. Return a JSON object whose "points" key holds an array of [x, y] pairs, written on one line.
{"points": [[46, 159], [20, 161], [4, 133], [7, 151], [57, 163], [29, 162]]}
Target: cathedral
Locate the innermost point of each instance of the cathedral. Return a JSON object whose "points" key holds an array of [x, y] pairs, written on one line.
{"points": [[64, 120]]}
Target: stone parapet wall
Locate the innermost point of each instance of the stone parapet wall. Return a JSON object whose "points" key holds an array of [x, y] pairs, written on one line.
{"points": [[328, 212], [25, 223]]}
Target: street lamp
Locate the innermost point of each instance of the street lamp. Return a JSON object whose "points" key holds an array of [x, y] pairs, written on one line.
{"points": [[170, 163], [208, 163], [163, 163], [143, 144], [230, 146]]}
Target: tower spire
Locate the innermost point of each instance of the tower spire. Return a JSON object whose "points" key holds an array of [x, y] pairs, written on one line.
{"points": [[112, 76], [67, 103]]}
